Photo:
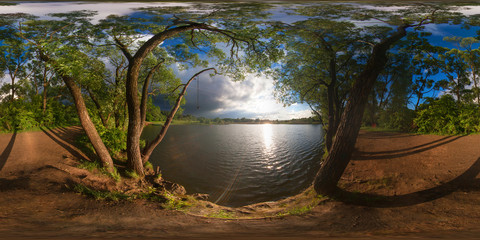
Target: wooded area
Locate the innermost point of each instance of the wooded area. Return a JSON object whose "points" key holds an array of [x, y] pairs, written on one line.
{"points": [[354, 65]]}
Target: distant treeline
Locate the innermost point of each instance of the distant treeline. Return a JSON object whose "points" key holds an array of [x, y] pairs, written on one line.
{"points": [[190, 119]]}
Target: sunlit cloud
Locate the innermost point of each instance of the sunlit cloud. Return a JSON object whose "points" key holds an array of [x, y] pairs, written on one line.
{"points": [[219, 96], [42, 9]]}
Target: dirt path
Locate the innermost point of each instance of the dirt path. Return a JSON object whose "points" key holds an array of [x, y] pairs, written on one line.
{"points": [[397, 186]]}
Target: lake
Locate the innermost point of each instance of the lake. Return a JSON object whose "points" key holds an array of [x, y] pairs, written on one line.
{"points": [[239, 164]]}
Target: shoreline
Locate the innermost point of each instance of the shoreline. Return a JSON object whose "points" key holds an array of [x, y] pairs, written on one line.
{"points": [[396, 186]]}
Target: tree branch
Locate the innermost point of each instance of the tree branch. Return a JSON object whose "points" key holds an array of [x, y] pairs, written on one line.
{"points": [[146, 84], [147, 151]]}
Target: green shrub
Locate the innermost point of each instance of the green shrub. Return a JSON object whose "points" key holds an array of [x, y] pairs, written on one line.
{"points": [[446, 116], [398, 119]]}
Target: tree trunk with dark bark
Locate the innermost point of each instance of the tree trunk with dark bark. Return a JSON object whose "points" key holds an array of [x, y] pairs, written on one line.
{"points": [[88, 125], [340, 153], [44, 96], [85, 120], [135, 127], [331, 116], [99, 108]]}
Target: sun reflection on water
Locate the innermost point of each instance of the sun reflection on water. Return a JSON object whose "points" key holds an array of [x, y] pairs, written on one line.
{"points": [[267, 137], [268, 146]]}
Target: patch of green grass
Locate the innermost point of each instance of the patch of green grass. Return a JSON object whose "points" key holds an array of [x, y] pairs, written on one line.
{"points": [[222, 214], [296, 211], [92, 166], [175, 203], [148, 165], [115, 175], [100, 195], [132, 174]]}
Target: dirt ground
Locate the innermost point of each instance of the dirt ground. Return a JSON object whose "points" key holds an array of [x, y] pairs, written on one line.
{"points": [[397, 186]]}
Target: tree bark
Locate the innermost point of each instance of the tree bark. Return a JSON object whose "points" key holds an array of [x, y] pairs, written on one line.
{"points": [[44, 96], [99, 108], [340, 153], [45, 87], [85, 120], [134, 156], [331, 108], [88, 125]]}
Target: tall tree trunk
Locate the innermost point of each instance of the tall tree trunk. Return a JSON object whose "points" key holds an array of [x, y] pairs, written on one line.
{"points": [[134, 156], [44, 97], [88, 125], [85, 120], [331, 101], [331, 118], [45, 87], [13, 88], [346, 136]]}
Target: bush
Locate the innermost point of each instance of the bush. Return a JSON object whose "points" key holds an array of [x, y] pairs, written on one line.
{"points": [[446, 116], [399, 119]]}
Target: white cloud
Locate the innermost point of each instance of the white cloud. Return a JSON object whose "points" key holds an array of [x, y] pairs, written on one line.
{"points": [[42, 9], [219, 96], [252, 98]]}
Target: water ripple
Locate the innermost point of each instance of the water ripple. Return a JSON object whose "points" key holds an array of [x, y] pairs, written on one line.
{"points": [[239, 164]]}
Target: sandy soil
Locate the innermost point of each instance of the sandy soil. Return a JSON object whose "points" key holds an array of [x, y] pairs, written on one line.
{"points": [[397, 186]]}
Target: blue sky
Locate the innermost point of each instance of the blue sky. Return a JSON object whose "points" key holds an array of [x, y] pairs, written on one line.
{"points": [[219, 96]]}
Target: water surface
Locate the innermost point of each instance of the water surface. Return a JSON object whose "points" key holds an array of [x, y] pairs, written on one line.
{"points": [[239, 164]]}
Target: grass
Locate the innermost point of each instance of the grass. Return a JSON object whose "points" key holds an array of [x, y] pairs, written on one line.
{"points": [[101, 195], [95, 166], [168, 200], [300, 207], [148, 165], [132, 174], [175, 203], [296, 211], [222, 214]]}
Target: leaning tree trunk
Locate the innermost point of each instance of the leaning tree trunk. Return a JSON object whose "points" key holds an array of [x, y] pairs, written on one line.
{"points": [[85, 120], [332, 128], [347, 132], [147, 151], [135, 127], [88, 125]]}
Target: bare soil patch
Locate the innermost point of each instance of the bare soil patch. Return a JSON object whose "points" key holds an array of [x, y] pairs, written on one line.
{"points": [[397, 186]]}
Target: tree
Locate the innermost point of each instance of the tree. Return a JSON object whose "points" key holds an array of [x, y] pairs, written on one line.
{"points": [[339, 155], [56, 45], [470, 63], [70, 46], [388, 104], [14, 58], [320, 63], [136, 57]]}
